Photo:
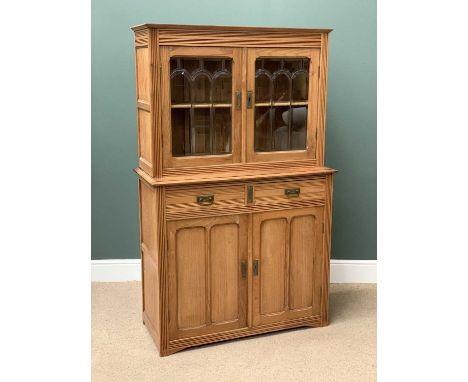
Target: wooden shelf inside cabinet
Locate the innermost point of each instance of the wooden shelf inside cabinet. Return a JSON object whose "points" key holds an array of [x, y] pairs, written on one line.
{"points": [[235, 199]]}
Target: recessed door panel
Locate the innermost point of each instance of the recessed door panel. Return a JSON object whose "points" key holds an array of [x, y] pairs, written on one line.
{"points": [[273, 265], [301, 262], [225, 273], [288, 246], [191, 277]]}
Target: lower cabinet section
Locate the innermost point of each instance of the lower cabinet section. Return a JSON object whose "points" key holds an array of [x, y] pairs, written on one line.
{"points": [[209, 270], [234, 272]]}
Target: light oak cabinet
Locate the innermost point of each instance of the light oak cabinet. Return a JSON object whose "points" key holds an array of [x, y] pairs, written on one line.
{"points": [[235, 201]]}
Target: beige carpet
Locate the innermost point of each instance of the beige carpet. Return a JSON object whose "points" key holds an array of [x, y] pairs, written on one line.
{"points": [[122, 349]]}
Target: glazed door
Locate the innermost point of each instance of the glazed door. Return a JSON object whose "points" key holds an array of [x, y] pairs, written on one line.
{"points": [[201, 105], [287, 264], [282, 103], [207, 275]]}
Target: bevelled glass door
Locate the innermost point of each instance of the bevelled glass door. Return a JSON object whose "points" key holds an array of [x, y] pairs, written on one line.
{"points": [[202, 111], [282, 90]]}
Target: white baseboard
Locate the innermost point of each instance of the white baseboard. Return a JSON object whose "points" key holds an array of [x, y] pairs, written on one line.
{"points": [[341, 271], [353, 271]]}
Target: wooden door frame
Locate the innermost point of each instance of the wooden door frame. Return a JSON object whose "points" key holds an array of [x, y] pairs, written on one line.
{"points": [[166, 52], [312, 112]]}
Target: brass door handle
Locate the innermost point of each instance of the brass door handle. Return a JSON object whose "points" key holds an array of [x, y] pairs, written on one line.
{"points": [[244, 269], [205, 200], [249, 99], [238, 100], [292, 192], [256, 265]]}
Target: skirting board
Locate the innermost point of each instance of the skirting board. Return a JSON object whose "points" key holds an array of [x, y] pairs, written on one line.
{"points": [[341, 271]]}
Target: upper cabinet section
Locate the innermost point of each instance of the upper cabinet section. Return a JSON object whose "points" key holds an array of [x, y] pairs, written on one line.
{"points": [[213, 96]]}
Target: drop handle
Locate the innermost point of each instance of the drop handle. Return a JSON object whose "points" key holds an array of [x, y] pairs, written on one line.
{"points": [[256, 265], [244, 269], [292, 192], [249, 99], [205, 200], [238, 100]]}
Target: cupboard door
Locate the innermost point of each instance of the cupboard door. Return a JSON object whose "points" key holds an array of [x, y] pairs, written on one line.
{"points": [[207, 275], [201, 110], [282, 86], [287, 264]]}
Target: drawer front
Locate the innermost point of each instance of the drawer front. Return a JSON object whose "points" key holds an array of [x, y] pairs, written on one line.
{"points": [[184, 202], [289, 193]]}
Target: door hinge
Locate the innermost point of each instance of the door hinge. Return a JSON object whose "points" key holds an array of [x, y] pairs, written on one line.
{"points": [[318, 71], [323, 227]]}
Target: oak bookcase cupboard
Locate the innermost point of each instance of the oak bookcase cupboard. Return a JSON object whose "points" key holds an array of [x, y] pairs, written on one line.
{"points": [[235, 201]]}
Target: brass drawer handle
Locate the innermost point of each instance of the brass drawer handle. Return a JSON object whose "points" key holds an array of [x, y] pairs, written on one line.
{"points": [[205, 200], [250, 194], [292, 192]]}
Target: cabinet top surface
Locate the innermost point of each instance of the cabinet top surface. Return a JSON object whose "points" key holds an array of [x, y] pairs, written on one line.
{"points": [[230, 27], [232, 173]]}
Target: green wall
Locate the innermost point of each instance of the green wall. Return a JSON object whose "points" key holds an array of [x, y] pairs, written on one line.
{"points": [[351, 113]]}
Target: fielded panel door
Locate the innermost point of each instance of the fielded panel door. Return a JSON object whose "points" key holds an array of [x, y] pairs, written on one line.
{"points": [[287, 264], [282, 103], [207, 275], [201, 105]]}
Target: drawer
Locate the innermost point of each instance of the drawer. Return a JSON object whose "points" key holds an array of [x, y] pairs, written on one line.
{"points": [[197, 201], [290, 193]]}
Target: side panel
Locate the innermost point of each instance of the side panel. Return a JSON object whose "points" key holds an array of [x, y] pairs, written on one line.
{"points": [[144, 79], [149, 257]]}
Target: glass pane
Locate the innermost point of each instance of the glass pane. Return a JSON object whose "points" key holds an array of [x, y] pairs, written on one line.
{"points": [[201, 87], [200, 132], [299, 128], [222, 130], [281, 86], [281, 101], [180, 88], [300, 86], [263, 87], [262, 129], [281, 116], [222, 86], [201, 100], [180, 131]]}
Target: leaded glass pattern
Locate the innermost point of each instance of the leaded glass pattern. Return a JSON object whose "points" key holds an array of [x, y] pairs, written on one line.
{"points": [[201, 106], [281, 103]]}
